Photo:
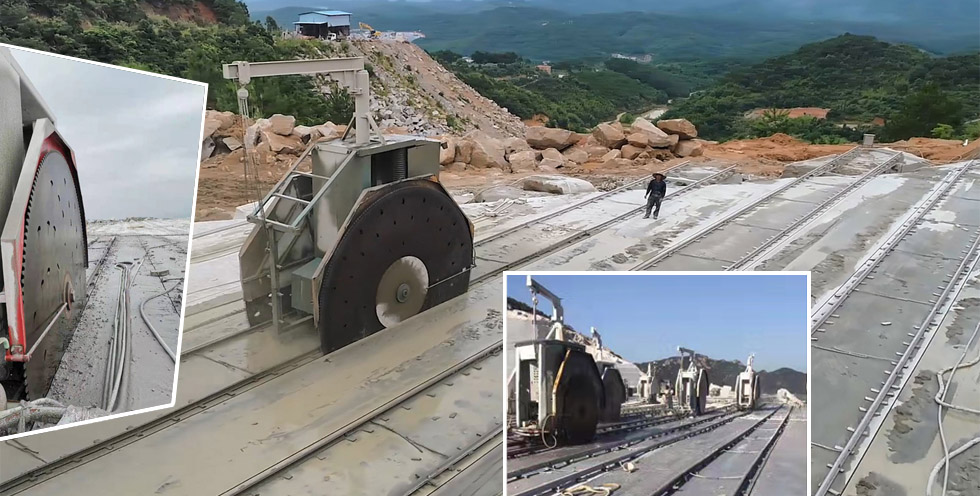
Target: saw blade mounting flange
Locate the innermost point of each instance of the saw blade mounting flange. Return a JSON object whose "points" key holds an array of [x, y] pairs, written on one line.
{"points": [[412, 219], [402, 290]]}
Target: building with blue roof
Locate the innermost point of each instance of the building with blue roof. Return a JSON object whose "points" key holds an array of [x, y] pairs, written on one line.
{"points": [[323, 23]]}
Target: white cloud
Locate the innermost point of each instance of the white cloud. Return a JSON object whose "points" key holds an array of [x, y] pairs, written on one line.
{"points": [[136, 136]]}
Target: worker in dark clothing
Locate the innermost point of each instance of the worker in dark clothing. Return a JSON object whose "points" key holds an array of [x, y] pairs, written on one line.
{"points": [[656, 191]]}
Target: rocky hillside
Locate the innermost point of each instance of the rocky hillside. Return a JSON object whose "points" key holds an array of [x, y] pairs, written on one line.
{"points": [[724, 372], [412, 92]]}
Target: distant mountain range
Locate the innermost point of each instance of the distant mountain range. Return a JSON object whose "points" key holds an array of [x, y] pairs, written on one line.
{"points": [[724, 373], [567, 29]]}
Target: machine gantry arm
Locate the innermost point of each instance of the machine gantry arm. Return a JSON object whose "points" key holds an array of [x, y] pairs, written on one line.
{"points": [[348, 72], [691, 353], [558, 314]]}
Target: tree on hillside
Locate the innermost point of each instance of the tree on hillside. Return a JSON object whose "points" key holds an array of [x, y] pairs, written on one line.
{"points": [[272, 26], [494, 58], [923, 111]]}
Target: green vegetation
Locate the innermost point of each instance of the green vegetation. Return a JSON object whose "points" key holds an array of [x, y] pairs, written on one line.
{"points": [[688, 32], [859, 78], [577, 99], [129, 33]]}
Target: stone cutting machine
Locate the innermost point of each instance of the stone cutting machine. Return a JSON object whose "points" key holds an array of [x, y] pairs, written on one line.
{"points": [[559, 389], [365, 239], [747, 387], [691, 388], [43, 244]]}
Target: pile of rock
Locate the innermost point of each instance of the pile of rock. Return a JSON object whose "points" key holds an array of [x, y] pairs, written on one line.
{"points": [[276, 140], [541, 150], [644, 141], [550, 149]]}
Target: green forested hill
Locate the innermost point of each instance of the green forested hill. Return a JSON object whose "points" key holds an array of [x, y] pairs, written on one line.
{"points": [[183, 38], [858, 77], [578, 100], [678, 31]]}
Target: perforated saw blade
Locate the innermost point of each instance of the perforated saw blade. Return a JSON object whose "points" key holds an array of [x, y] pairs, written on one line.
{"points": [[54, 255]]}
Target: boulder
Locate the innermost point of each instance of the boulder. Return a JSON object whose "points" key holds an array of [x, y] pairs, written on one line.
{"points": [[611, 155], [576, 155], [689, 148], [282, 124], [656, 138], [279, 143], [207, 147], [523, 161], [541, 137], [630, 152], [609, 136], [253, 133], [554, 155], [514, 145], [680, 127], [550, 164], [327, 131], [617, 162], [232, 143], [447, 151], [485, 151], [496, 193], [559, 185], [638, 140], [215, 121], [464, 150]]}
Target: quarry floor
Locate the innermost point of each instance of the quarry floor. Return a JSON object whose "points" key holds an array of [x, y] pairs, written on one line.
{"points": [[832, 247], [162, 245]]}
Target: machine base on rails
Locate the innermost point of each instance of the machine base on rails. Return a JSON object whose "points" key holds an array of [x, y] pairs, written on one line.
{"points": [[692, 384], [368, 239], [43, 245], [559, 392], [747, 388]]}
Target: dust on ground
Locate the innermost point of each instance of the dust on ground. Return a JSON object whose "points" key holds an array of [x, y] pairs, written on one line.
{"points": [[915, 421], [875, 484], [162, 244]]}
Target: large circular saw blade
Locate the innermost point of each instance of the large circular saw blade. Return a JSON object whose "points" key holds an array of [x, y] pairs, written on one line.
{"points": [[372, 268], [54, 254]]}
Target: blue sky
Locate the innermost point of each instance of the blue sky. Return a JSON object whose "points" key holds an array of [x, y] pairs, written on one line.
{"points": [[645, 317]]}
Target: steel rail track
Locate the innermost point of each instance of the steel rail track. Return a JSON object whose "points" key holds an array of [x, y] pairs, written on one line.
{"points": [[919, 211], [597, 468], [429, 479], [677, 484], [761, 252], [594, 230], [357, 423], [606, 430], [97, 272], [728, 219], [574, 206], [941, 306], [694, 426], [95, 451]]}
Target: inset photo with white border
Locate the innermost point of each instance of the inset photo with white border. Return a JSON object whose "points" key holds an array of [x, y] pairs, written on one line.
{"points": [[98, 173], [656, 383]]}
